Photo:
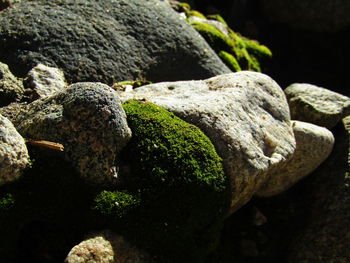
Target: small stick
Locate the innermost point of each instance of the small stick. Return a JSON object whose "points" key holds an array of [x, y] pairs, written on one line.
{"points": [[46, 144]]}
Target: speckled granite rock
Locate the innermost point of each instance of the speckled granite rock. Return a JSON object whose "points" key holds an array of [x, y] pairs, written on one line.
{"points": [[43, 81], [87, 118], [313, 145], [11, 89], [106, 247], [316, 105], [105, 41], [13, 152], [245, 115]]}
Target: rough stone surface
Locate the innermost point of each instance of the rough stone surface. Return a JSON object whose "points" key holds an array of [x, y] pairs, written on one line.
{"points": [[314, 15], [245, 115], [105, 41], [106, 247], [13, 152], [316, 105], [11, 89], [43, 81], [313, 145], [88, 119]]}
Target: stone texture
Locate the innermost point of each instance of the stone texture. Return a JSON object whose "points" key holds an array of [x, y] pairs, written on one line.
{"points": [[11, 89], [314, 15], [106, 247], [316, 105], [105, 41], [88, 119], [313, 145], [245, 115], [43, 81], [13, 152]]}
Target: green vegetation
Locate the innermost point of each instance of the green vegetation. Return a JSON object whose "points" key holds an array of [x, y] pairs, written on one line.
{"points": [[176, 182], [230, 61], [6, 202]]}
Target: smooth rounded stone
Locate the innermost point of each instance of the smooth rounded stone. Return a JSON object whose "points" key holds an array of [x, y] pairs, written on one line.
{"points": [[106, 41], [88, 119], [43, 81], [312, 15], [11, 89], [106, 247], [316, 105], [313, 145], [246, 116], [14, 156]]}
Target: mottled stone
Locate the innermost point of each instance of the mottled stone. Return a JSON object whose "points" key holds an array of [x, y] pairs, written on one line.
{"points": [[13, 152], [105, 40], [245, 115], [43, 81], [106, 247], [313, 145], [88, 119], [316, 105], [11, 89]]}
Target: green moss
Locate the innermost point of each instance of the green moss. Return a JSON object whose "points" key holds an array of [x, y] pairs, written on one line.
{"points": [[6, 202], [230, 61], [190, 13], [257, 50], [178, 178], [217, 17]]}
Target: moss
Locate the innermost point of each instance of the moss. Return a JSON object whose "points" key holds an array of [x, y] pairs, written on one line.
{"points": [[261, 52], [190, 13], [217, 17], [178, 178], [230, 61], [6, 202]]}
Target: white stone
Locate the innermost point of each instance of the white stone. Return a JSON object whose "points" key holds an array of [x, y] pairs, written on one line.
{"points": [[13, 152], [246, 116], [313, 145], [45, 81], [316, 105]]}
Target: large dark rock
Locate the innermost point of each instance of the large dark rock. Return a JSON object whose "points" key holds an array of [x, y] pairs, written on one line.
{"points": [[105, 41]]}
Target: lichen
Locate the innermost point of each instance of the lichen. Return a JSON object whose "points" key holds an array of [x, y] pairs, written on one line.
{"points": [[175, 171]]}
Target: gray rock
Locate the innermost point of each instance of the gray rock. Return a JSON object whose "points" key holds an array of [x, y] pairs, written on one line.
{"points": [[106, 247], [14, 156], [43, 81], [105, 41], [88, 119], [11, 89], [313, 145], [316, 105], [246, 116], [314, 15]]}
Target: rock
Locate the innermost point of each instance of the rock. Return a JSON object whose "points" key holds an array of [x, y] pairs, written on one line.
{"points": [[11, 89], [316, 105], [312, 15], [246, 116], [105, 41], [106, 247], [324, 236], [313, 145], [14, 156], [43, 81], [87, 118]]}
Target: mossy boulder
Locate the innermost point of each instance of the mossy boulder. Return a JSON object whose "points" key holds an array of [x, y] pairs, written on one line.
{"points": [[175, 180], [249, 53]]}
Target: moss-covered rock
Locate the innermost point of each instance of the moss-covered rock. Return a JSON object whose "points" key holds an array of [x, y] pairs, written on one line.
{"points": [[230, 61], [175, 171], [249, 53]]}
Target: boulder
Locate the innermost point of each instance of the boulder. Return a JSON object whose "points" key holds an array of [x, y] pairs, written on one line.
{"points": [[316, 105], [313, 145], [88, 120], [14, 156], [11, 89], [105, 41], [313, 15], [106, 247], [246, 116], [43, 81]]}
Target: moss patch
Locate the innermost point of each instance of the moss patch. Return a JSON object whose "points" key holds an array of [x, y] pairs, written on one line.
{"points": [[174, 169]]}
